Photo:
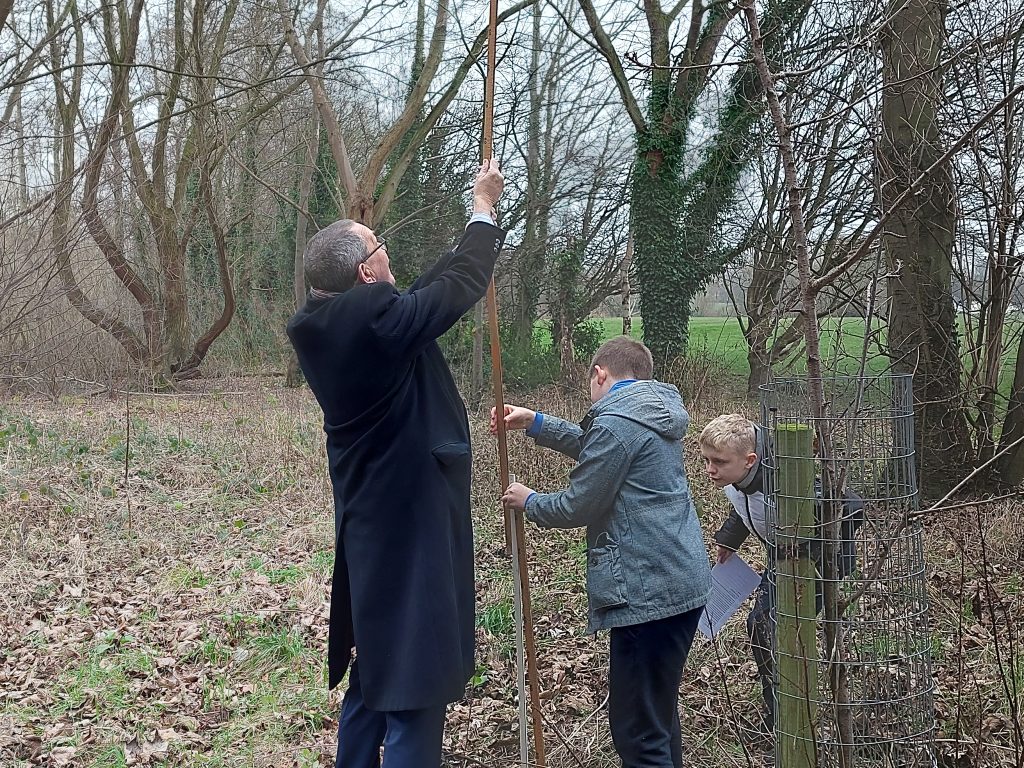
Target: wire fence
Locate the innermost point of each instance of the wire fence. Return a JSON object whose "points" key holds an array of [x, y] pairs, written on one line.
{"points": [[849, 609]]}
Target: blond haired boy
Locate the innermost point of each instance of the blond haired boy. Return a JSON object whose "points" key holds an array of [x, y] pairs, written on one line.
{"points": [[733, 447]]}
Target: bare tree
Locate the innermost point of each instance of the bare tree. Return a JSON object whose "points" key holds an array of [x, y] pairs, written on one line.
{"points": [[987, 266], [368, 197], [172, 161], [571, 165], [833, 160]]}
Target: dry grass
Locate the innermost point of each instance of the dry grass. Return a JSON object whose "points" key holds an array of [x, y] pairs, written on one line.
{"points": [[171, 609]]}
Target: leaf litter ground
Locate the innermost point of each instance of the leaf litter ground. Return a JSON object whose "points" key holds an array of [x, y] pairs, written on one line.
{"points": [[164, 597]]}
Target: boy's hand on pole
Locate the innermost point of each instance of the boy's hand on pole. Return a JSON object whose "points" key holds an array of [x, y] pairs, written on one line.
{"points": [[515, 418], [515, 497]]}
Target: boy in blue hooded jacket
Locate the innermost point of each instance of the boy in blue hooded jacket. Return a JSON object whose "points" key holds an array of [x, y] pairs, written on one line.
{"points": [[648, 575]]}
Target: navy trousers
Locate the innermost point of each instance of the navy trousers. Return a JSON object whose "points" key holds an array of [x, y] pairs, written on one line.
{"points": [[411, 738], [644, 672]]}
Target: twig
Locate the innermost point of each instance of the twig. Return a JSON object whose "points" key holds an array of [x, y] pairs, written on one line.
{"points": [[937, 505], [972, 503]]}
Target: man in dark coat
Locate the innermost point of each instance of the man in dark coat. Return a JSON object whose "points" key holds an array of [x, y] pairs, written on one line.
{"points": [[399, 459]]}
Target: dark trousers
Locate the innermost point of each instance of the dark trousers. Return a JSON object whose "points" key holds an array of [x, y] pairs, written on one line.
{"points": [[644, 672], [411, 738], [759, 629]]}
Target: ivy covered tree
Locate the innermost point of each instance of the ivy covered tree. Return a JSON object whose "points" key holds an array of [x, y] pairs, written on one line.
{"points": [[676, 213]]}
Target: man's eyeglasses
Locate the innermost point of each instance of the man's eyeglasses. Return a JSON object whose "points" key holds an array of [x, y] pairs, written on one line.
{"points": [[381, 243]]}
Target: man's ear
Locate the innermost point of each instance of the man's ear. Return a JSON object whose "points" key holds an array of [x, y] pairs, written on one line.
{"points": [[364, 274], [751, 460], [601, 374]]}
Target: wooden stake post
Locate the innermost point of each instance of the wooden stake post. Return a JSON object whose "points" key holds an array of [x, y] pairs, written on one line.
{"points": [[515, 531], [796, 658]]}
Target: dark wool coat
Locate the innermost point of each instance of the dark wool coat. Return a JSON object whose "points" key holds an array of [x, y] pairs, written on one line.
{"points": [[399, 459]]}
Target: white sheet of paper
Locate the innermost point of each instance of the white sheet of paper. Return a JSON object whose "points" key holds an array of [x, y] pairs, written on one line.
{"points": [[732, 582]]}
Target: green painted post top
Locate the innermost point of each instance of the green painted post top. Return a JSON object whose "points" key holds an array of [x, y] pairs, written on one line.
{"points": [[792, 426]]}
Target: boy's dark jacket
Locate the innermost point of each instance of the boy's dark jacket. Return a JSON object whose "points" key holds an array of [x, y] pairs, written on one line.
{"points": [[735, 529], [399, 460], [646, 557]]}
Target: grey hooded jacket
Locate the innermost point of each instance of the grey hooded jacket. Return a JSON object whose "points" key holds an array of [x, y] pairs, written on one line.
{"points": [[646, 557]]}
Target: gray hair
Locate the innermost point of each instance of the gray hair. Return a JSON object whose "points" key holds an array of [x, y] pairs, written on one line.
{"points": [[332, 256]]}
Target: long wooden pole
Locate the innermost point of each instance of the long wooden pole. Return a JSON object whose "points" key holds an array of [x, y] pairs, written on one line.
{"points": [[513, 520]]}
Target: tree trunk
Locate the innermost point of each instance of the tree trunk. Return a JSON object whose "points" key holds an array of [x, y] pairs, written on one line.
{"points": [[918, 238], [177, 333], [627, 263], [19, 130], [531, 259], [1004, 265], [667, 282], [1010, 464], [761, 354], [566, 352], [757, 359], [189, 368], [995, 321], [293, 376]]}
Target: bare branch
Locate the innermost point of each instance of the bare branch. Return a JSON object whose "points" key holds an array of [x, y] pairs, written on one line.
{"points": [[328, 115], [894, 206], [607, 48]]}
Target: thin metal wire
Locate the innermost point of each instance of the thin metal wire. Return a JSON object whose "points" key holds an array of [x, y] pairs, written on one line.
{"points": [[884, 641], [517, 591]]}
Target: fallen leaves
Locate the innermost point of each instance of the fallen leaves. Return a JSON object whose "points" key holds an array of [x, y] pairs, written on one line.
{"points": [[62, 755], [104, 653], [140, 751]]}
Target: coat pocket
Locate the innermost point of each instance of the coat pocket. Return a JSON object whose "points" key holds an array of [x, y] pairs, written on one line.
{"points": [[605, 583], [454, 470], [451, 453]]}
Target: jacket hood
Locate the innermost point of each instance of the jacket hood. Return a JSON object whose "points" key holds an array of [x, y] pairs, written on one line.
{"points": [[655, 405], [753, 481]]}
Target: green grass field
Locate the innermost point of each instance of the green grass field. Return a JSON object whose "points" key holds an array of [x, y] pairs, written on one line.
{"points": [[722, 339], [841, 345]]}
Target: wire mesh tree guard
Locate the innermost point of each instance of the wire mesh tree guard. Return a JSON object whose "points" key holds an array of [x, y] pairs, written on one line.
{"points": [[852, 644]]}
